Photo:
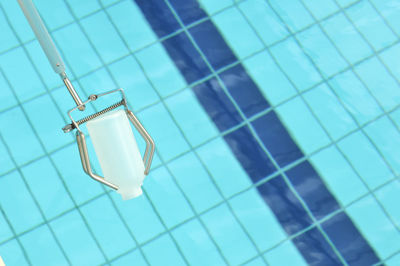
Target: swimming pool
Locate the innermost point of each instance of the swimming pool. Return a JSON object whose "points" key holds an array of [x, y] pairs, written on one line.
{"points": [[276, 125]]}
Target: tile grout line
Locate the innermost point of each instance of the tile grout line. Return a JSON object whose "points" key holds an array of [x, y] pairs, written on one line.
{"points": [[109, 72], [162, 160], [167, 108], [377, 102]]}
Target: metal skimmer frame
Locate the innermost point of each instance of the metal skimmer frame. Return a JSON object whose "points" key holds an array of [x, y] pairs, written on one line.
{"points": [[46, 42], [80, 137]]}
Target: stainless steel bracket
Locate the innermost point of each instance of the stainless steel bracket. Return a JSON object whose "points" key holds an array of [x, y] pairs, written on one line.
{"points": [[80, 136]]}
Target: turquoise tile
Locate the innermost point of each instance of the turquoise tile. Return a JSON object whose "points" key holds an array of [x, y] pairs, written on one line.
{"points": [[258, 220], [234, 28], [132, 258], [22, 151], [165, 133], [346, 3], [264, 21], [256, 262], [321, 50], [5, 231], [97, 82], [390, 11], [197, 185], [228, 235], [83, 8], [224, 168], [327, 108], [395, 115], [160, 69], [42, 248], [12, 203], [285, 254], [296, 64], [196, 245], [47, 188], [373, 28], [43, 67], [81, 186], [47, 122], [18, 21], [104, 37], [383, 86], [78, 54], [166, 196], [7, 98], [191, 117], [365, 159], [70, 230], [293, 13], [302, 125], [346, 38], [386, 138], [131, 78], [320, 11], [6, 164], [7, 37], [26, 85], [375, 226], [136, 31], [108, 2], [393, 261], [212, 6], [389, 197], [54, 13], [365, 108], [269, 78], [107, 226], [140, 217], [12, 254], [389, 59], [338, 175], [162, 250]]}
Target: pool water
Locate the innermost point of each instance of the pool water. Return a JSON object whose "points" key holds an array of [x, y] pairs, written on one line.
{"points": [[277, 126]]}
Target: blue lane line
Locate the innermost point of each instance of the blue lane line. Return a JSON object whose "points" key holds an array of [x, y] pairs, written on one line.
{"points": [[249, 153], [250, 99], [187, 57], [219, 107], [315, 194], [276, 193], [344, 236], [315, 249], [276, 139]]}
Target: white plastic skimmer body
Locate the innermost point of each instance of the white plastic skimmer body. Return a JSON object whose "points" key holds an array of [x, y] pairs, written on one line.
{"points": [[117, 152]]}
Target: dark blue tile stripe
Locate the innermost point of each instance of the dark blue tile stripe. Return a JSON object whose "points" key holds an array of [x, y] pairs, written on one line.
{"points": [[315, 250], [276, 139], [312, 190], [246, 149], [276, 193], [213, 45], [287, 208], [186, 57], [188, 11], [219, 106], [159, 15], [354, 248], [244, 90]]}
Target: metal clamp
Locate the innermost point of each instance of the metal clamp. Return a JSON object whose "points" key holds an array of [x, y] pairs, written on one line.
{"points": [[80, 137]]}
